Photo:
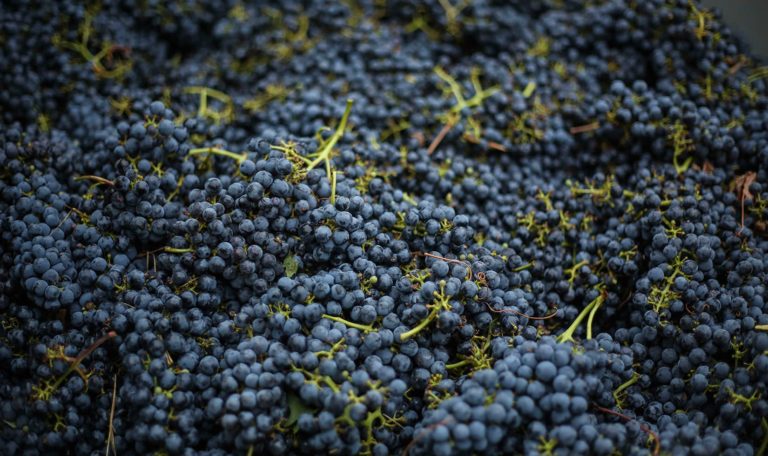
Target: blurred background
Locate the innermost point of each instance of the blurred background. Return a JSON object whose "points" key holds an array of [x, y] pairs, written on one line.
{"points": [[749, 18]]}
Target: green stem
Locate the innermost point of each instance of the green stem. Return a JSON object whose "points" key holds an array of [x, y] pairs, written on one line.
{"points": [[529, 88], [461, 103], [424, 323], [573, 271], [635, 378], [567, 336], [441, 302], [457, 365], [175, 250], [239, 158], [764, 443], [409, 199], [361, 327], [324, 152], [333, 186], [523, 267], [592, 317]]}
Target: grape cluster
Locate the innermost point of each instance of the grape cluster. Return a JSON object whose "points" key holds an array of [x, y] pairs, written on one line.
{"points": [[444, 227]]}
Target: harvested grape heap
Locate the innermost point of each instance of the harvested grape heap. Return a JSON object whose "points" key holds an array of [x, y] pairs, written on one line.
{"points": [[376, 227]]}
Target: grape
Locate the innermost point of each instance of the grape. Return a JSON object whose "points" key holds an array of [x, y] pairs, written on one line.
{"points": [[381, 228]]}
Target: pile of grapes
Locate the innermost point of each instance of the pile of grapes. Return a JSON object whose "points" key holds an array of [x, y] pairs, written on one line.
{"points": [[444, 227]]}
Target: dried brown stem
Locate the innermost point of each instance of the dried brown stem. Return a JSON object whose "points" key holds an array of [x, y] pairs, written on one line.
{"points": [[741, 188], [585, 128], [424, 432], [439, 138], [451, 260], [643, 427], [515, 312], [737, 66], [491, 144], [111, 431], [96, 179]]}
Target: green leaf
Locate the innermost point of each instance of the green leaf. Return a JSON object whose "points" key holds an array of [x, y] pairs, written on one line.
{"points": [[295, 409], [291, 265]]}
